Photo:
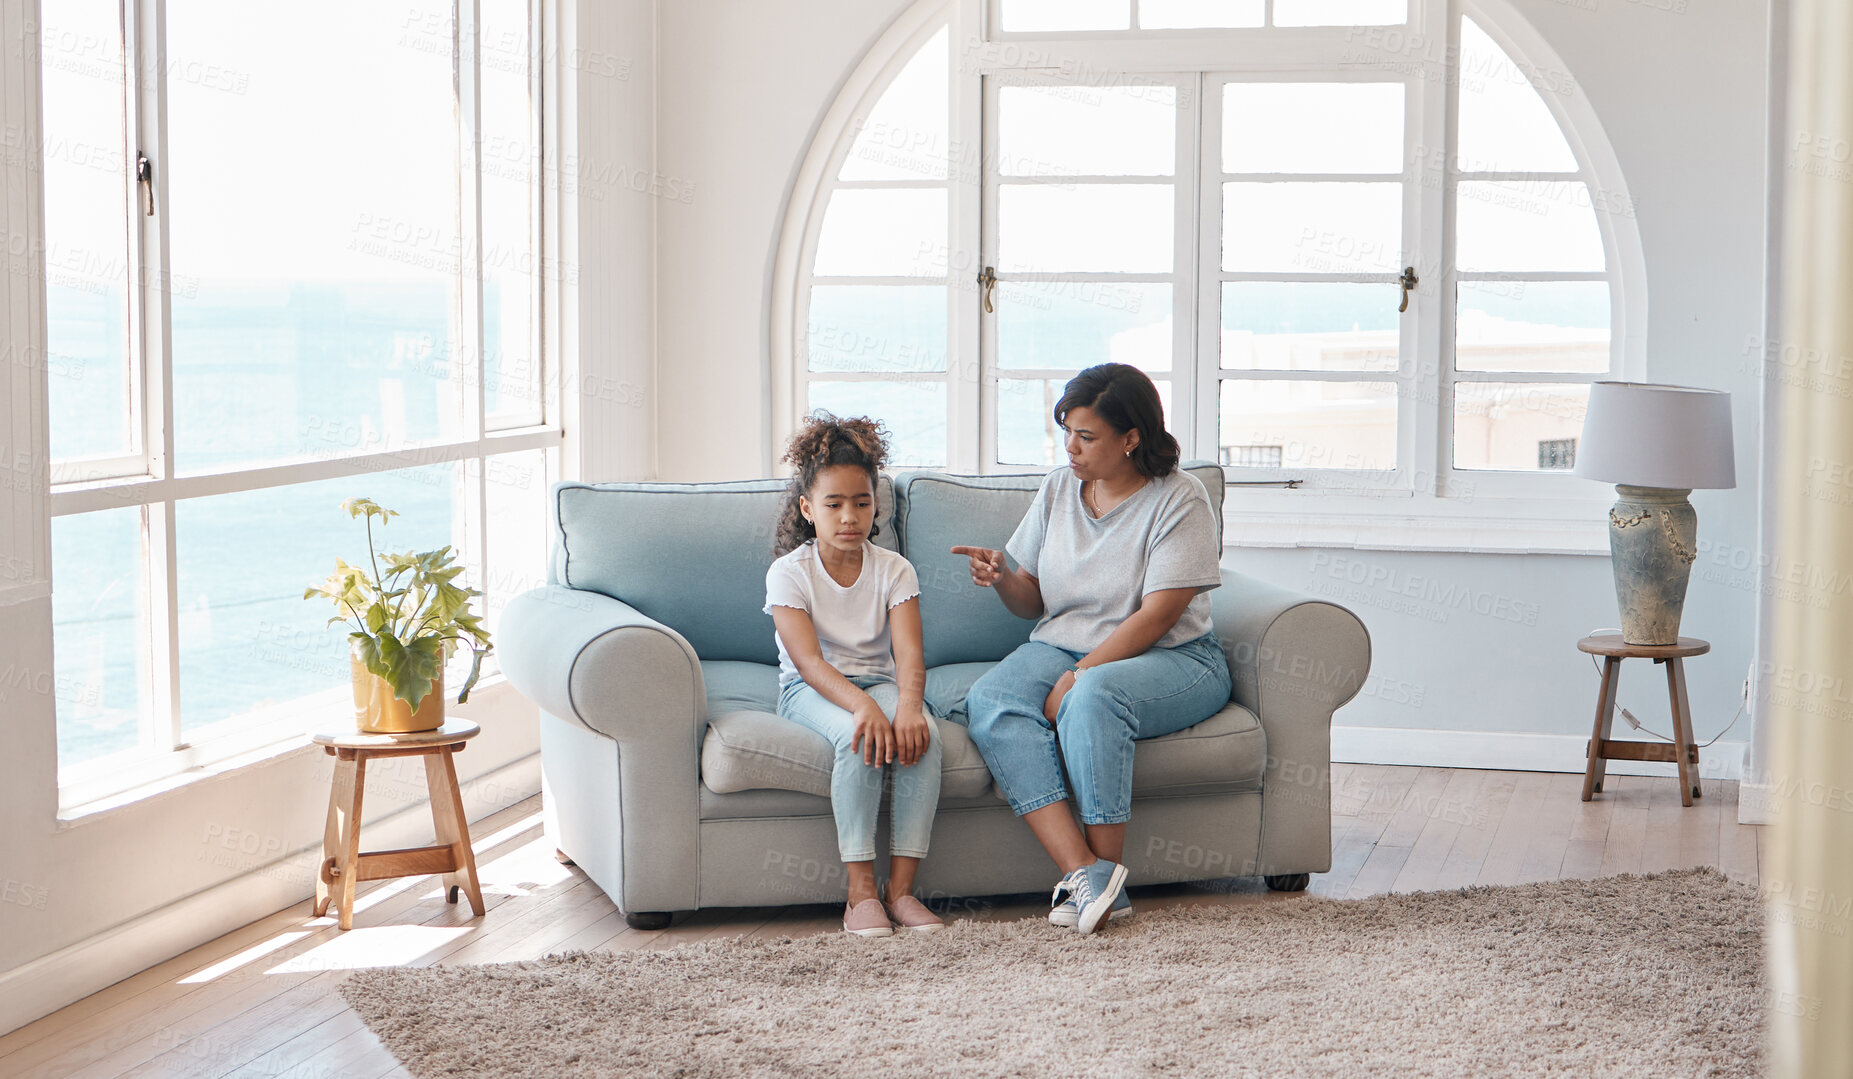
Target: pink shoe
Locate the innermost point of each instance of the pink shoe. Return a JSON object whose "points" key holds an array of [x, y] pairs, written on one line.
{"points": [[866, 919], [911, 914]]}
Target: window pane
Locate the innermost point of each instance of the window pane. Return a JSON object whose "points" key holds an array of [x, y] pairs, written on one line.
{"points": [[320, 227], [86, 230], [99, 633], [1532, 326], [915, 413], [1312, 127], [515, 500], [1526, 225], [1069, 325], [1504, 125], [1312, 227], [1517, 425], [904, 136], [1340, 12], [1307, 424], [1028, 15], [1290, 326], [1087, 130], [1085, 227], [876, 328], [1184, 14], [249, 642], [511, 372], [887, 233], [1026, 430]]}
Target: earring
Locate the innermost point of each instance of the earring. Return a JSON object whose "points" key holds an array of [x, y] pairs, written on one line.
{"points": [[1129, 453]]}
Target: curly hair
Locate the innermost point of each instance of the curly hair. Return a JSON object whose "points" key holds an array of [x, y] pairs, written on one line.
{"points": [[825, 441], [1126, 399]]}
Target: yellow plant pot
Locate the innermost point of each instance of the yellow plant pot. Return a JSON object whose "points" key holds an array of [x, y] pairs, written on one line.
{"points": [[377, 711]]}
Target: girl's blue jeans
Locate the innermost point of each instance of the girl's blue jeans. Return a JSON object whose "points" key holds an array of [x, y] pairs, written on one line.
{"points": [[855, 787]]}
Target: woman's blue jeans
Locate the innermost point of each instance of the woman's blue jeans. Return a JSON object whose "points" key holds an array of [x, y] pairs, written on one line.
{"points": [[1109, 708], [855, 787]]}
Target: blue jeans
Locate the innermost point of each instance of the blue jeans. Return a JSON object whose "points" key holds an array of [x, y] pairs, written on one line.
{"points": [[1108, 709], [855, 787]]}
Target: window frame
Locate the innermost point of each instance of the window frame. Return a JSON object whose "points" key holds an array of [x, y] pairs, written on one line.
{"points": [[149, 480], [1430, 504]]}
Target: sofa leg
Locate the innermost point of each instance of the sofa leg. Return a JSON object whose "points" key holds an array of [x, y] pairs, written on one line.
{"points": [[1289, 882], [560, 857], [647, 919]]}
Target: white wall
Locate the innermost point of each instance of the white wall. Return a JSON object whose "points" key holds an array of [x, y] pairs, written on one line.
{"points": [[743, 86], [86, 902], [1682, 97]]}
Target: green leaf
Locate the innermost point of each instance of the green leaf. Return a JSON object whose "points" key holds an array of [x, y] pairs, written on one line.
{"points": [[367, 649], [412, 668], [366, 507]]}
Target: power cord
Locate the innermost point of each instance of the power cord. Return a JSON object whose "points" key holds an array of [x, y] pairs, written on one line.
{"points": [[1628, 716]]}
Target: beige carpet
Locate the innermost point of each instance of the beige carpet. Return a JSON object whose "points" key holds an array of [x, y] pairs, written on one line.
{"points": [[1657, 975]]}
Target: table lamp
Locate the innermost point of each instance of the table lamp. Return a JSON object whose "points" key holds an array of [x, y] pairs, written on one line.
{"points": [[1656, 444]]}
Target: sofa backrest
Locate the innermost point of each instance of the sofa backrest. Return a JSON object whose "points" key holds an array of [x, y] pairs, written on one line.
{"points": [[935, 511], [693, 556]]}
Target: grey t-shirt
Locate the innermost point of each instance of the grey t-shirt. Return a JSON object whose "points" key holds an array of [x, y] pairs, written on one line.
{"points": [[1095, 572]]}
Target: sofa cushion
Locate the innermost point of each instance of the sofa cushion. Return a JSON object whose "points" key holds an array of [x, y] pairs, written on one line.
{"points": [[947, 685], [693, 556], [735, 686], [1225, 753], [752, 750], [936, 511], [960, 622]]}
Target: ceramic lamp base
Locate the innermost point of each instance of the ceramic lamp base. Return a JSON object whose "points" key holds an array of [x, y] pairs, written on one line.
{"points": [[1653, 539]]}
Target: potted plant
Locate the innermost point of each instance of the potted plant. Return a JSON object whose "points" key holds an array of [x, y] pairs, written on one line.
{"points": [[407, 623]]}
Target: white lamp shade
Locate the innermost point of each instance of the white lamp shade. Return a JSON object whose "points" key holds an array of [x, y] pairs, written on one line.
{"points": [[1646, 435]]}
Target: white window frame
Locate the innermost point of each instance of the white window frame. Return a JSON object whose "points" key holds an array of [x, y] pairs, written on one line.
{"points": [[1427, 504], [148, 480]]}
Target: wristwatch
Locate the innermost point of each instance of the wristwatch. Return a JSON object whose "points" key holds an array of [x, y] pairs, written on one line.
{"points": [[1076, 669]]}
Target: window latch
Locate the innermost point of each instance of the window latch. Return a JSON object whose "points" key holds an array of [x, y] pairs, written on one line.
{"points": [[144, 176], [1409, 280], [987, 284]]}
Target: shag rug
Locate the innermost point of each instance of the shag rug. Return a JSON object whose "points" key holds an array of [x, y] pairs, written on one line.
{"points": [[1632, 975]]}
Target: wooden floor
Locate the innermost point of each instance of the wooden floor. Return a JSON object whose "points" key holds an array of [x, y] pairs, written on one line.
{"points": [[262, 1001]]}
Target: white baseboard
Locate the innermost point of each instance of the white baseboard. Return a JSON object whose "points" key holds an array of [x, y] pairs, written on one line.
{"points": [[1756, 803], [43, 985], [1509, 752]]}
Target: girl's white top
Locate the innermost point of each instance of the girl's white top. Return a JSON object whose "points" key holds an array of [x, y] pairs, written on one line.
{"points": [[851, 621]]}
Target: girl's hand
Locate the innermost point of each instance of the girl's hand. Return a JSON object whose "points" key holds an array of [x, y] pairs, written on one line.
{"points": [[1053, 704], [987, 565], [874, 735], [912, 734]]}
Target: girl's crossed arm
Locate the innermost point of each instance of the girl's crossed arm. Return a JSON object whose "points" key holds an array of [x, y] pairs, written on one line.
{"points": [[874, 736]]}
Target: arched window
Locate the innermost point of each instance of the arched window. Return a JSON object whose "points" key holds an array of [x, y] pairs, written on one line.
{"points": [[1231, 195]]}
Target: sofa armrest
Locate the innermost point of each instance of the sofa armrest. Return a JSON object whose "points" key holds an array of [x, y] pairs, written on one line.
{"points": [[589, 658], [1293, 661]]}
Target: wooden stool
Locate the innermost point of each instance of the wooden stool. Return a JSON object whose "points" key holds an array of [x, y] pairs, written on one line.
{"points": [[343, 863], [1682, 751]]}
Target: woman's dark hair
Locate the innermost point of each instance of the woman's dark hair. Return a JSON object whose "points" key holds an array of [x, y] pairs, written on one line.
{"points": [[1126, 399], [825, 441]]}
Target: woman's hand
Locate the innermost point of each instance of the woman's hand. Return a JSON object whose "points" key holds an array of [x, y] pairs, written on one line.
{"points": [[1053, 704], [912, 734], [874, 736], [987, 565]]}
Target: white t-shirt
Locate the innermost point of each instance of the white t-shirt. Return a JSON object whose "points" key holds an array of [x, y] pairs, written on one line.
{"points": [[851, 622], [1096, 571]]}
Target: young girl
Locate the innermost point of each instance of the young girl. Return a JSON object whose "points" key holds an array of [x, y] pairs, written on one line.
{"points": [[850, 664]]}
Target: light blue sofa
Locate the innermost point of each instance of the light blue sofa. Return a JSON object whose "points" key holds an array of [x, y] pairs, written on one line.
{"points": [[668, 779]]}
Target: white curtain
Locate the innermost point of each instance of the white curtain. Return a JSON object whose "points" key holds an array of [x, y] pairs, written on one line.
{"points": [[1808, 879]]}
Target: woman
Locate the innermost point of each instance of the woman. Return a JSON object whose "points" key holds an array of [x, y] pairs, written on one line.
{"points": [[1114, 560]]}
